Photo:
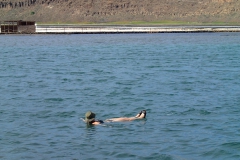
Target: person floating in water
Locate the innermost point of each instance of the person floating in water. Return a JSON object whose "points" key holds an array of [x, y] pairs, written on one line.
{"points": [[90, 118]]}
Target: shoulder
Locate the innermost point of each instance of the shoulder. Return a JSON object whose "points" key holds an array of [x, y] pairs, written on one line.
{"points": [[96, 122]]}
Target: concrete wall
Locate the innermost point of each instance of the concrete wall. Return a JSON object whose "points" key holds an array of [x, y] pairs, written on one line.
{"points": [[65, 29], [120, 29]]}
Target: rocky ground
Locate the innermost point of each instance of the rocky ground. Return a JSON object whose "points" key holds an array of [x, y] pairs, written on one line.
{"points": [[102, 11]]}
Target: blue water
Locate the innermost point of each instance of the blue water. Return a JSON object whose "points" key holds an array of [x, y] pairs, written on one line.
{"points": [[188, 83]]}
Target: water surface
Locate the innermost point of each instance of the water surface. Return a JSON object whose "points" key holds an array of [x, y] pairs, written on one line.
{"points": [[188, 83]]}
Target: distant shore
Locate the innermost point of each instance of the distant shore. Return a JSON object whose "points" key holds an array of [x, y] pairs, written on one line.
{"points": [[82, 29]]}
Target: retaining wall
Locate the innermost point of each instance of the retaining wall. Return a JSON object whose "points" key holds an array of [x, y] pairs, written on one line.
{"points": [[79, 29], [120, 29]]}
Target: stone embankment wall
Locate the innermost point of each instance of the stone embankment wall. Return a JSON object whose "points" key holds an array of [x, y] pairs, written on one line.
{"points": [[74, 29], [121, 29], [120, 10]]}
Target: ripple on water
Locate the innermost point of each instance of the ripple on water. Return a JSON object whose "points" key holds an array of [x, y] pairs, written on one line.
{"points": [[188, 83]]}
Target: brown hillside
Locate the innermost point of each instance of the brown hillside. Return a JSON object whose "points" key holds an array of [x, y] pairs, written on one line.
{"points": [[100, 11]]}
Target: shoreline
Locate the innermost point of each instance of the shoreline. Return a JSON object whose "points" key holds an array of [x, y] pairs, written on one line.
{"points": [[107, 29]]}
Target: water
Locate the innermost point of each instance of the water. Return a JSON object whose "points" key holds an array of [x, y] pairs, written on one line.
{"points": [[188, 83]]}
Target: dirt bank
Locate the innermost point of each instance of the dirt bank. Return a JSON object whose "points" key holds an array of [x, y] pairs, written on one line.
{"points": [[99, 11]]}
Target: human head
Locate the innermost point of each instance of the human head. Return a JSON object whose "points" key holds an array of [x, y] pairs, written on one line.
{"points": [[89, 117]]}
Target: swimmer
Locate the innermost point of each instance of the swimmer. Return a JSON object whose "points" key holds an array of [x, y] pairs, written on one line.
{"points": [[90, 118]]}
